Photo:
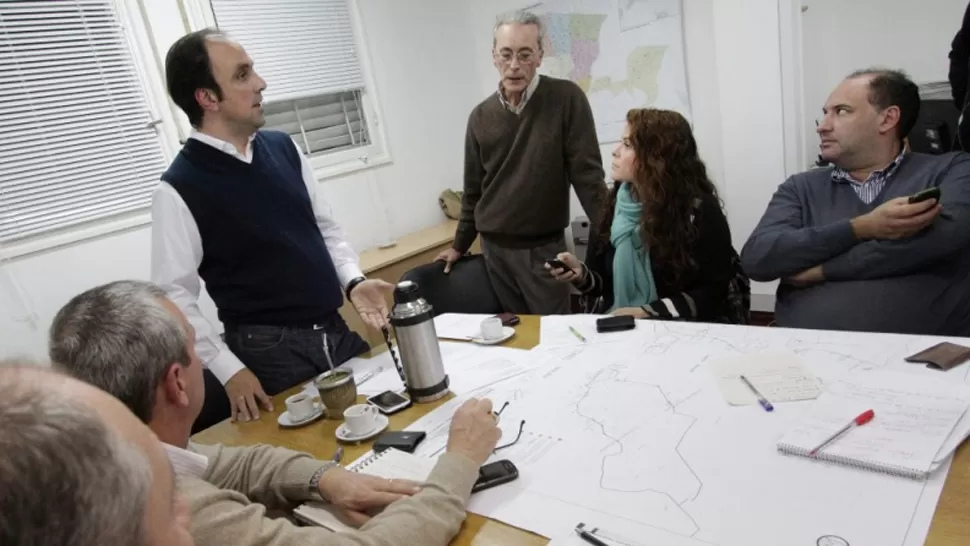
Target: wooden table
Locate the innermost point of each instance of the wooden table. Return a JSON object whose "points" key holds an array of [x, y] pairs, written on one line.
{"points": [[951, 522]]}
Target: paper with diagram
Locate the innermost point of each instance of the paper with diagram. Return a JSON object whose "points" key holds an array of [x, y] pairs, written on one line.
{"points": [[779, 377], [633, 435]]}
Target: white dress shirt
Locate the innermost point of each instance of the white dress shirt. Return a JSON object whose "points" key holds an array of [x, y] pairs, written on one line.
{"points": [[186, 462], [177, 254]]}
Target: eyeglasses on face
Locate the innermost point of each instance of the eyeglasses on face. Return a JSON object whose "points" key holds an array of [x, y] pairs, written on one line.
{"points": [[524, 56]]}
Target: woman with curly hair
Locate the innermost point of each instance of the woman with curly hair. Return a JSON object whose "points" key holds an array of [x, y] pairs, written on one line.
{"points": [[662, 248]]}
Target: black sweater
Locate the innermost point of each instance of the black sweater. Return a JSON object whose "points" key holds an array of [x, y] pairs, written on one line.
{"points": [[703, 295]]}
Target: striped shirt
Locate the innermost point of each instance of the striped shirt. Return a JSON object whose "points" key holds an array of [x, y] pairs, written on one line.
{"points": [[869, 189], [186, 462], [526, 95]]}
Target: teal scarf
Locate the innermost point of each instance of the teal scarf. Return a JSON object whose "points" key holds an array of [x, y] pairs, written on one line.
{"points": [[633, 284]]}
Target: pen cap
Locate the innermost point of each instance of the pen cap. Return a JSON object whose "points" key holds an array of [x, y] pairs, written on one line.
{"points": [[865, 417]]}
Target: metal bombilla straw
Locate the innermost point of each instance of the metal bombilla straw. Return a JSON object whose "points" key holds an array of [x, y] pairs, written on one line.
{"points": [[397, 363]]}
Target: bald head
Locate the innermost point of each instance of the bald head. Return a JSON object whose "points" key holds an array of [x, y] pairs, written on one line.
{"points": [[77, 468]]}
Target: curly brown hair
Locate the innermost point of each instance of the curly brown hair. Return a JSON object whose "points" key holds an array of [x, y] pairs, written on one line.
{"points": [[670, 179]]}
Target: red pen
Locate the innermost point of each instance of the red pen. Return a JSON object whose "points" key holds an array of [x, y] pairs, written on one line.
{"points": [[862, 419]]}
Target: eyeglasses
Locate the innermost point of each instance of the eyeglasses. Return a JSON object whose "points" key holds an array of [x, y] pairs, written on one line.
{"points": [[517, 436], [524, 57]]}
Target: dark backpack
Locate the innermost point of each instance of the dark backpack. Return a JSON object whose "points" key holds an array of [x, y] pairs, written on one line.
{"points": [[738, 309]]}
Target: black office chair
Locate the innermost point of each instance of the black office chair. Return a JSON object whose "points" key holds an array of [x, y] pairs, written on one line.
{"points": [[466, 289]]}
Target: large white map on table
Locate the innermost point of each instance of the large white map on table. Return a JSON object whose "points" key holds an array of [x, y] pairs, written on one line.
{"points": [[632, 435], [623, 53]]}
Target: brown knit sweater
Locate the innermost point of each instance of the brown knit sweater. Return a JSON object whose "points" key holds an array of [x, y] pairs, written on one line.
{"points": [[518, 168]]}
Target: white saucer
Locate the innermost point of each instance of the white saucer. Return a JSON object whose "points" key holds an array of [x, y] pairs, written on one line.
{"points": [[507, 332], [286, 421], [344, 435]]}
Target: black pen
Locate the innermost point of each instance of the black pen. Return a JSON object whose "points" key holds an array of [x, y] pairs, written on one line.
{"points": [[588, 537]]}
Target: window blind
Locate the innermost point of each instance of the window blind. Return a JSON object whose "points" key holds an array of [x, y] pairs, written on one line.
{"points": [[302, 48], [78, 143], [322, 124]]}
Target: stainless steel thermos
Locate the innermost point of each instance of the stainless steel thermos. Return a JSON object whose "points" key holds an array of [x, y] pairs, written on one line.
{"points": [[417, 341]]}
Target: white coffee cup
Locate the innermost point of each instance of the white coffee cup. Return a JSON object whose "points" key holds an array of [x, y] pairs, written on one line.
{"points": [[300, 406], [361, 418], [492, 329]]}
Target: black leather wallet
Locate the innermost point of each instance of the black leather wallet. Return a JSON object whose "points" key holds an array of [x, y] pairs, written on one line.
{"points": [[405, 440], [615, 324]]}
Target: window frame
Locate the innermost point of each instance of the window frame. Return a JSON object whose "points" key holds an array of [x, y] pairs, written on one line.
{"points": [[138, 35], [199, 15]]}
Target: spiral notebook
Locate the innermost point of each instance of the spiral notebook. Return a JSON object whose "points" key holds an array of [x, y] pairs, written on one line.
{"points": [[919, 421], [390, 463]]}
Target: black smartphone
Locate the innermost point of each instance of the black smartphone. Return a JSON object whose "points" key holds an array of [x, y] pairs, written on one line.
{"points": [[928, 193], [494, 474], [508, 319], [615, 324], [556, 263], [405, 440]]}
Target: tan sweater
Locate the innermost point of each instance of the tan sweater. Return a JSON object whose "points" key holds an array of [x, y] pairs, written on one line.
{"points": [[229, 505]]}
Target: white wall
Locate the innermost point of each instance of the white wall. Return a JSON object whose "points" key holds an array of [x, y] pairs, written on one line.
{"points": [[426, 89], [753, 125], [841, 36]]}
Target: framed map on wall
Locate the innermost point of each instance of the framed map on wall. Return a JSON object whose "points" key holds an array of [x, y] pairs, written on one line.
{"points": [[623, 53]]}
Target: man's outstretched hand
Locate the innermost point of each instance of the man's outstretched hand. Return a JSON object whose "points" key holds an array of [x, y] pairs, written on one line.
{"points": [[370, 299], [896, 219]]}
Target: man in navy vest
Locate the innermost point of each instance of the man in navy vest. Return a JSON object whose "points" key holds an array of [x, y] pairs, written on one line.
{"points": [[237, 208]]}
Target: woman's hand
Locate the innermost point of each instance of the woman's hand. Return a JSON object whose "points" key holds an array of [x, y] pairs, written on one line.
{"points": [[635, 312], [573, 271]]}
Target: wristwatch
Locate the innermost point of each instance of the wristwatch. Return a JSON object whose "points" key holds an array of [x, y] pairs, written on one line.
{"points": [[353, 284], [314, 484]]}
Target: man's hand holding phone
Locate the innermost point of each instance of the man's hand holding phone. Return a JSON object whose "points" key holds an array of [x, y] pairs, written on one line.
{"points": [[897, 219]]}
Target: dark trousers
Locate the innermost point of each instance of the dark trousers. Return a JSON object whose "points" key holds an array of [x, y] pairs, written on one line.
{"points": [[521, 281], [281, 357]]}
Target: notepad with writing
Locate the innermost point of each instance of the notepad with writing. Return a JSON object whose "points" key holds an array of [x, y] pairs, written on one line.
{"points": [[918, 422], [390, 463]]}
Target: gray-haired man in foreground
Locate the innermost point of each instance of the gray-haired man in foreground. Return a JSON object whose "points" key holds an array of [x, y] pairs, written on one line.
{"points": [[130, 340], [77, 468]]}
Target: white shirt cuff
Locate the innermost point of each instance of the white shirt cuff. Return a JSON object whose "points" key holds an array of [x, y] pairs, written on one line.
{"points": [[348, 272], [225, 365]]}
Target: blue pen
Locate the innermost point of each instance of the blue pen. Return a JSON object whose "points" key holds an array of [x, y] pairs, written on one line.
{"points": [[761, 399]]}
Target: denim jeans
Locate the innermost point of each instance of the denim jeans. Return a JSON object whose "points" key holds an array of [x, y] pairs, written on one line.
{"points": [[280, 357]]}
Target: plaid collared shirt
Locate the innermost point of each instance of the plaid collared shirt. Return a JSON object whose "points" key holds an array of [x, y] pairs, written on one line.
{"points": [[869, 189], [527, 94]]}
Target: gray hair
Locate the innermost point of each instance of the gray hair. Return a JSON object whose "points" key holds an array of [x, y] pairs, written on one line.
{"points": [[119, 338], [520, 17], [66, 479]]}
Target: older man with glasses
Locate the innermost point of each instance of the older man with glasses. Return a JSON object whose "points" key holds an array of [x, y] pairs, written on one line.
{"points": [[525, 145]]}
